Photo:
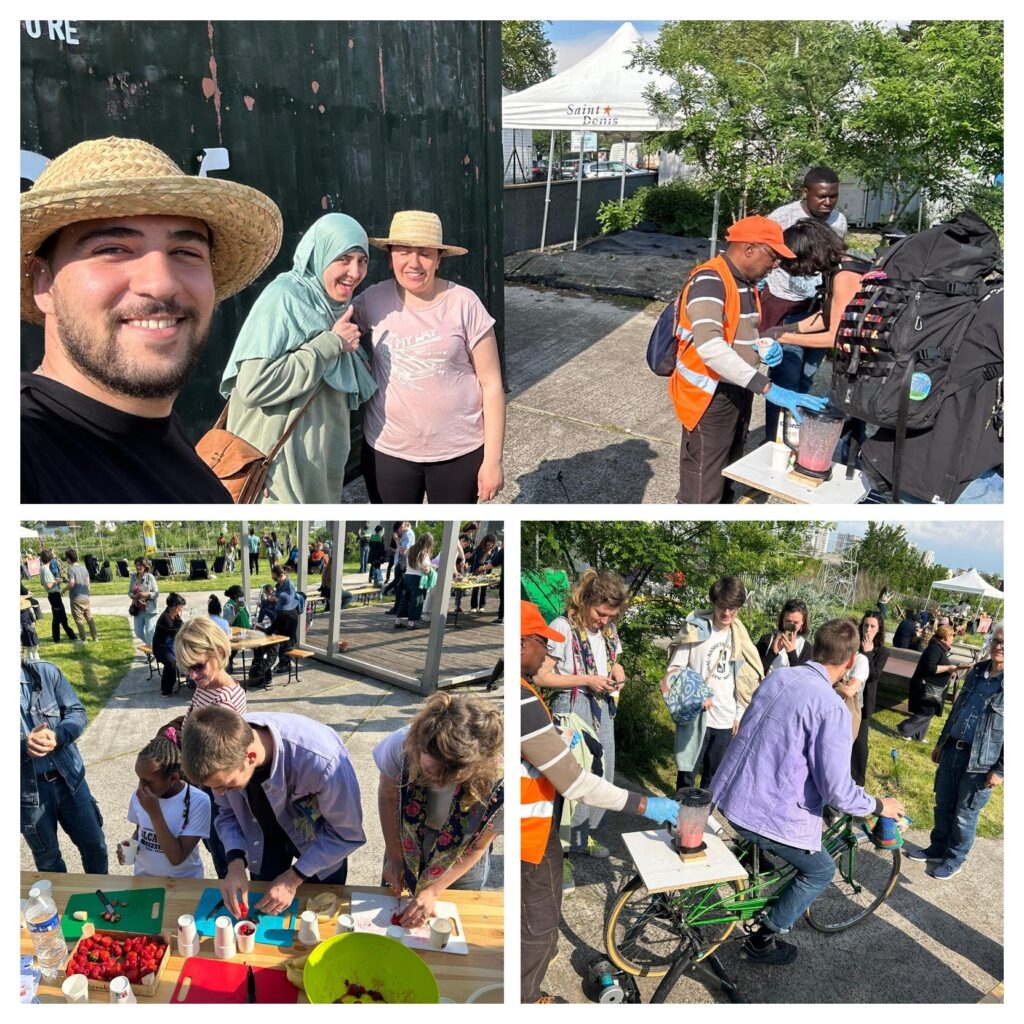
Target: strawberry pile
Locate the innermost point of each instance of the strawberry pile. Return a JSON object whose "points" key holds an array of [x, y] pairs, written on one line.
{"points": [[103, 957]]}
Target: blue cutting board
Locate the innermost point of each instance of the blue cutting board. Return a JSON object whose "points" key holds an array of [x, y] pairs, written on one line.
{"points": [[271, 929]]}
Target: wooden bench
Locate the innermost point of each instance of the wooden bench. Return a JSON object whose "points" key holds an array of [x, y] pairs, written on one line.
{"points": [[152, 659], [295, 658], [366, 592]]}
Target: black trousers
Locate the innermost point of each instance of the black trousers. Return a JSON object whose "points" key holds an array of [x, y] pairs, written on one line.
{"points": [[716, 743], [540, 897], [714, 443], [59, 617], [169, 675], [397, 480], [859, 753], [288, 624], [254, 562]]}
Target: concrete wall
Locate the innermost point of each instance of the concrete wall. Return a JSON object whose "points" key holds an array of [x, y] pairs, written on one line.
{"points": [[524, 209]]}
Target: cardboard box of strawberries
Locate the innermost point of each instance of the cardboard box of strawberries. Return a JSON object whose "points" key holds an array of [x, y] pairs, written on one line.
{"points": [[140, 958]]}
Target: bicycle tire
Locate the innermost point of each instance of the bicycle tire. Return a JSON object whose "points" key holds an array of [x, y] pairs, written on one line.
{"points": [[664, 949], [858, 888]]}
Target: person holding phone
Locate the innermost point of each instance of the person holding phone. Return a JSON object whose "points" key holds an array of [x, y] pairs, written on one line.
{"points": [[787, 646]]}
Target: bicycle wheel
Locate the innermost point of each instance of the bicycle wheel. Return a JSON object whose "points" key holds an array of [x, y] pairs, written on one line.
{"points": [[646, 932], [865, 875]]}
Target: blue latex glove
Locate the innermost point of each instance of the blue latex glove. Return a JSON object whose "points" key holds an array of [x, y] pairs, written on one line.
{"points": [[793, 401], [773, 356], [661, 809]]}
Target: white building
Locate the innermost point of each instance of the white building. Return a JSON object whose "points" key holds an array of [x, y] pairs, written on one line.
{"points": [[928, 558], [816, 539], [845, 543]]}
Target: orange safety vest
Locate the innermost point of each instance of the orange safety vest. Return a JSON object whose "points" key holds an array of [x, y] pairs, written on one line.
{"points": [[537, 804], [692, 384]]}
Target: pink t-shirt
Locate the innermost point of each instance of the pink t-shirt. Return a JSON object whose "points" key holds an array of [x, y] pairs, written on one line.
{"points": [[429, 405]]}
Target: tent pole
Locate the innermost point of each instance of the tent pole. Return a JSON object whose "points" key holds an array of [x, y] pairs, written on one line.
{"points": [[579, 193], [622, 183], [547, 191], [714, 223]]}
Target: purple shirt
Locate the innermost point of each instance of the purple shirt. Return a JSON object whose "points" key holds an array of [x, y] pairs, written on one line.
{"points": [[314, 794], [790, 757]]}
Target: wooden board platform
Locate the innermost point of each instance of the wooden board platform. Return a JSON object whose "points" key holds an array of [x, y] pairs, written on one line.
{"points": [[662, 870], [754, 470]]}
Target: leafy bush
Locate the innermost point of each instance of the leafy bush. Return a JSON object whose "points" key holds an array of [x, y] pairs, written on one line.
{"points": [[679, 208], [615, 216]]}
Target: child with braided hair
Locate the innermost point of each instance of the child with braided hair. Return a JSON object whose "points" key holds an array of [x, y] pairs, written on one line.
{"points": [[170, 815]]}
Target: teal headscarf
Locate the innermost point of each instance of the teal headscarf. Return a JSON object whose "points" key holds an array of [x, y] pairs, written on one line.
{"points": [[295, 307]]}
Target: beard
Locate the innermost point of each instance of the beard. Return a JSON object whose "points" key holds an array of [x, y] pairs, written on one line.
{"points": [[102, 357]]}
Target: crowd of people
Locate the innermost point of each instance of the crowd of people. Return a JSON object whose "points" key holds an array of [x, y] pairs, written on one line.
{"points": [[125, 289], [777, 730]]}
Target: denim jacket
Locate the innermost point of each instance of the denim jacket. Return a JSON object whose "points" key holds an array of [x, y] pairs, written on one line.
{"points": [[47, 698], [987, 748]]}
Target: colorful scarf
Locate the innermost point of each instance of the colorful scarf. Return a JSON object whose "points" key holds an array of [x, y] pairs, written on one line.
{"points": [[466, 822], [583, 658]]}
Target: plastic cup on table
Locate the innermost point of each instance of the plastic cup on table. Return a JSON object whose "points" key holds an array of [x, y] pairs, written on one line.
{"points": [[345, 924], [245, 936], [779, 457], [76, 989], [440, 932]]}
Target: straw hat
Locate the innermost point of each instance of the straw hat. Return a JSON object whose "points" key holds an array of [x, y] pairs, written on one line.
{"points": [[419, 229], [117, 177]]}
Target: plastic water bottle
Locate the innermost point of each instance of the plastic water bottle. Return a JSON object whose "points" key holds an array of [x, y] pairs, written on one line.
{"points": [[43, 923]]}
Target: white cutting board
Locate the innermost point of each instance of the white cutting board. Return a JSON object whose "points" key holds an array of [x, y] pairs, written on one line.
{"points": [[372, 913]]}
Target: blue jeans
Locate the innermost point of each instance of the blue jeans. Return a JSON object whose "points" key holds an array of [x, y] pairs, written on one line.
{"points": [[795, 373], [814, 870], [474, 878], [364, 558], [79, 816], [960, 797]]}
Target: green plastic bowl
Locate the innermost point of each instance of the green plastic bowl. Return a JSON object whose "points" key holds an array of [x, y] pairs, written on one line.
{"points": [[373, 961]]}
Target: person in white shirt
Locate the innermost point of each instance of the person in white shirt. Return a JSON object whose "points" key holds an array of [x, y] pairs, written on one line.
{"points": [[788, 646], [170, 814]]}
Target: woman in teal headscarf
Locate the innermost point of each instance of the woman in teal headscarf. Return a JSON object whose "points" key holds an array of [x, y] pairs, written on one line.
{"points": [[299, 343]]}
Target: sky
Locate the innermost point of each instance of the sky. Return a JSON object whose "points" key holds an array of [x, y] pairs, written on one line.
{"points": [[575, 39], [964, 545]]}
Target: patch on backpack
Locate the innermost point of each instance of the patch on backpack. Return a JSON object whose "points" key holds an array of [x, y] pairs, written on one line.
{"points": [[920, 387]]}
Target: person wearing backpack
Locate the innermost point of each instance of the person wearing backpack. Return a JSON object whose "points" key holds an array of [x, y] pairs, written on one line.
{"points": [[715, 373]]}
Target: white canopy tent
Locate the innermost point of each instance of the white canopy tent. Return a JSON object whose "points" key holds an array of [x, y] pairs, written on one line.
{"points": [[598, 93], [970, 582]]}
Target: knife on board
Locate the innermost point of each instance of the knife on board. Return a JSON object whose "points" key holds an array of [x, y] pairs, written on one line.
{"points": [[250, 985], [107, 905]]}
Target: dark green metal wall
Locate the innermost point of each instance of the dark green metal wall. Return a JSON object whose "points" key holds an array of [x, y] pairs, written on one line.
{"points": [[365, 118]]}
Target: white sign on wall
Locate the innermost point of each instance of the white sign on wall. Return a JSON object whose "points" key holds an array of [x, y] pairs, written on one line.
{"points": [[583, 142]]}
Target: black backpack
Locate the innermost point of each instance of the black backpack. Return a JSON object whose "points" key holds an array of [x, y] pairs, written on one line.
{"points": [[901, 334]]}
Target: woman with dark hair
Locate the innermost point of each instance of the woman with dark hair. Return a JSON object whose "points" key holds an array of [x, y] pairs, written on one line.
{"points": [[819, 250], [787, 647], [872, 646], [163, 642]]}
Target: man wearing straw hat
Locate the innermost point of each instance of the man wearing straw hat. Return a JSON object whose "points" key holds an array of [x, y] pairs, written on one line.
{"points": [[124, 258]]}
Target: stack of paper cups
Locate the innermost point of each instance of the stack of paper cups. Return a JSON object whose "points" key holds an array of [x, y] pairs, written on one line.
{"points": [[188, 937], [309, 928], [345, 924], [224, 938]]}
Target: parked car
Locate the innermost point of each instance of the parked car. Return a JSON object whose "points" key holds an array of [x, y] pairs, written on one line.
{"points": [[539, 171], [569, 168], [608, 169]]}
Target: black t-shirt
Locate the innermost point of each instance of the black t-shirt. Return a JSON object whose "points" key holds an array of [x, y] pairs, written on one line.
{"points": [[278, 849], [75, 449]]}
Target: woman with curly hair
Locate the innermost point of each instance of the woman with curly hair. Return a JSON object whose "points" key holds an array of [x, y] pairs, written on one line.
{"points": [[585, 671], [440, 799]]}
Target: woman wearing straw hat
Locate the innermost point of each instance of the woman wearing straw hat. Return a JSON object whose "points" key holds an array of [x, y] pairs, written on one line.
{"points": [[297, 360], [436, 425]]}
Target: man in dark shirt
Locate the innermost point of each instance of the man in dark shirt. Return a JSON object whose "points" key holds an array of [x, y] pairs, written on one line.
{"points": [[906, 630], [124, 260]]}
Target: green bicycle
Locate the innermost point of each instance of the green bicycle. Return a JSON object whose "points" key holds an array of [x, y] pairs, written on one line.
{"points": [[663, 934]]}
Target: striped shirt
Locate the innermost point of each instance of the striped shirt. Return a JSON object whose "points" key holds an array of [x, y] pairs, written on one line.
{"points": [[543, 750], [705, 302], [232, 696]]}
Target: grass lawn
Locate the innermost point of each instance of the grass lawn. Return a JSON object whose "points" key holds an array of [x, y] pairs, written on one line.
{"points": [[93, 669]]}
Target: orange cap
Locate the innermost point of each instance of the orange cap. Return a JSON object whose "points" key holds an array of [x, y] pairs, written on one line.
{"points": [[531, 623], [760, 229]]}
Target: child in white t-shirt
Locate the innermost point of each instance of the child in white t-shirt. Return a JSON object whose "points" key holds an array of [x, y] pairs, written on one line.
{"points": [[170, 815]]}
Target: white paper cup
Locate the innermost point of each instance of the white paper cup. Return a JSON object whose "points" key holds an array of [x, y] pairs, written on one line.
{"points": [[246, 943], [395, 931], [763, 345], [188, 948], [186, 929], [345, 924], [780, 457], [488, 994], [121, 990], [224, 938], [440, 932], [309, 928], [129, 849], [76, 989]]}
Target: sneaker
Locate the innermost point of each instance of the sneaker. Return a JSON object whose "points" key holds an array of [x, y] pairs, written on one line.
{"points": [[921, 855], [946, 870], [391, 611], [596, 850], [498, 622], [77, 642], [776, 952], [568, 882], [399, 625]]}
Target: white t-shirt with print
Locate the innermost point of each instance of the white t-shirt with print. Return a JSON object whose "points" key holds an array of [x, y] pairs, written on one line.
{"points": [[713, 659], [151, 859], [562, 652]]}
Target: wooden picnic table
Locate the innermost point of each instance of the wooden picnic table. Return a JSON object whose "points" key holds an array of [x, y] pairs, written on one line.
{"points": [[458, 977], [473, 583]]}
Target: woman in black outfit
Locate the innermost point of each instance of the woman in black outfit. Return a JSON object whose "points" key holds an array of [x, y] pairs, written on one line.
{"points": [[163, 642], [928, 685], [790, 638], [872, 646]]}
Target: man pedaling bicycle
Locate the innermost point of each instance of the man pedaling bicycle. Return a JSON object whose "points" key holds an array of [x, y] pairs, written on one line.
{"points": [[789, 760]]}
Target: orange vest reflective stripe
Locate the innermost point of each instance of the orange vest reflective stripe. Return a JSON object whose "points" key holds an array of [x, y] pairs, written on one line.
{"points": [[692, 384], [537, 804]]}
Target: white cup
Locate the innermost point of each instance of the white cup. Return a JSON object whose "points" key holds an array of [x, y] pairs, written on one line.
{"points": [[309, 928], [121, 990], [763, 345], [129, 849], [395, 931], [246, 942], [440, 932], [224, 938], [345, 924], [187, 948], [186, 928], [76, 989], [780, 457]]}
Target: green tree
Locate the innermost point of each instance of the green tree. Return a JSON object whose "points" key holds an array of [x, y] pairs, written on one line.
{"points": [[886, 554], [526, 55]]}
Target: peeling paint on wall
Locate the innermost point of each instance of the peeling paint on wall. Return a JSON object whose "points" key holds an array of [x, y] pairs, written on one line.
{"points": [[315, 86], [380, 67], [214, 89], [250, 102]]}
